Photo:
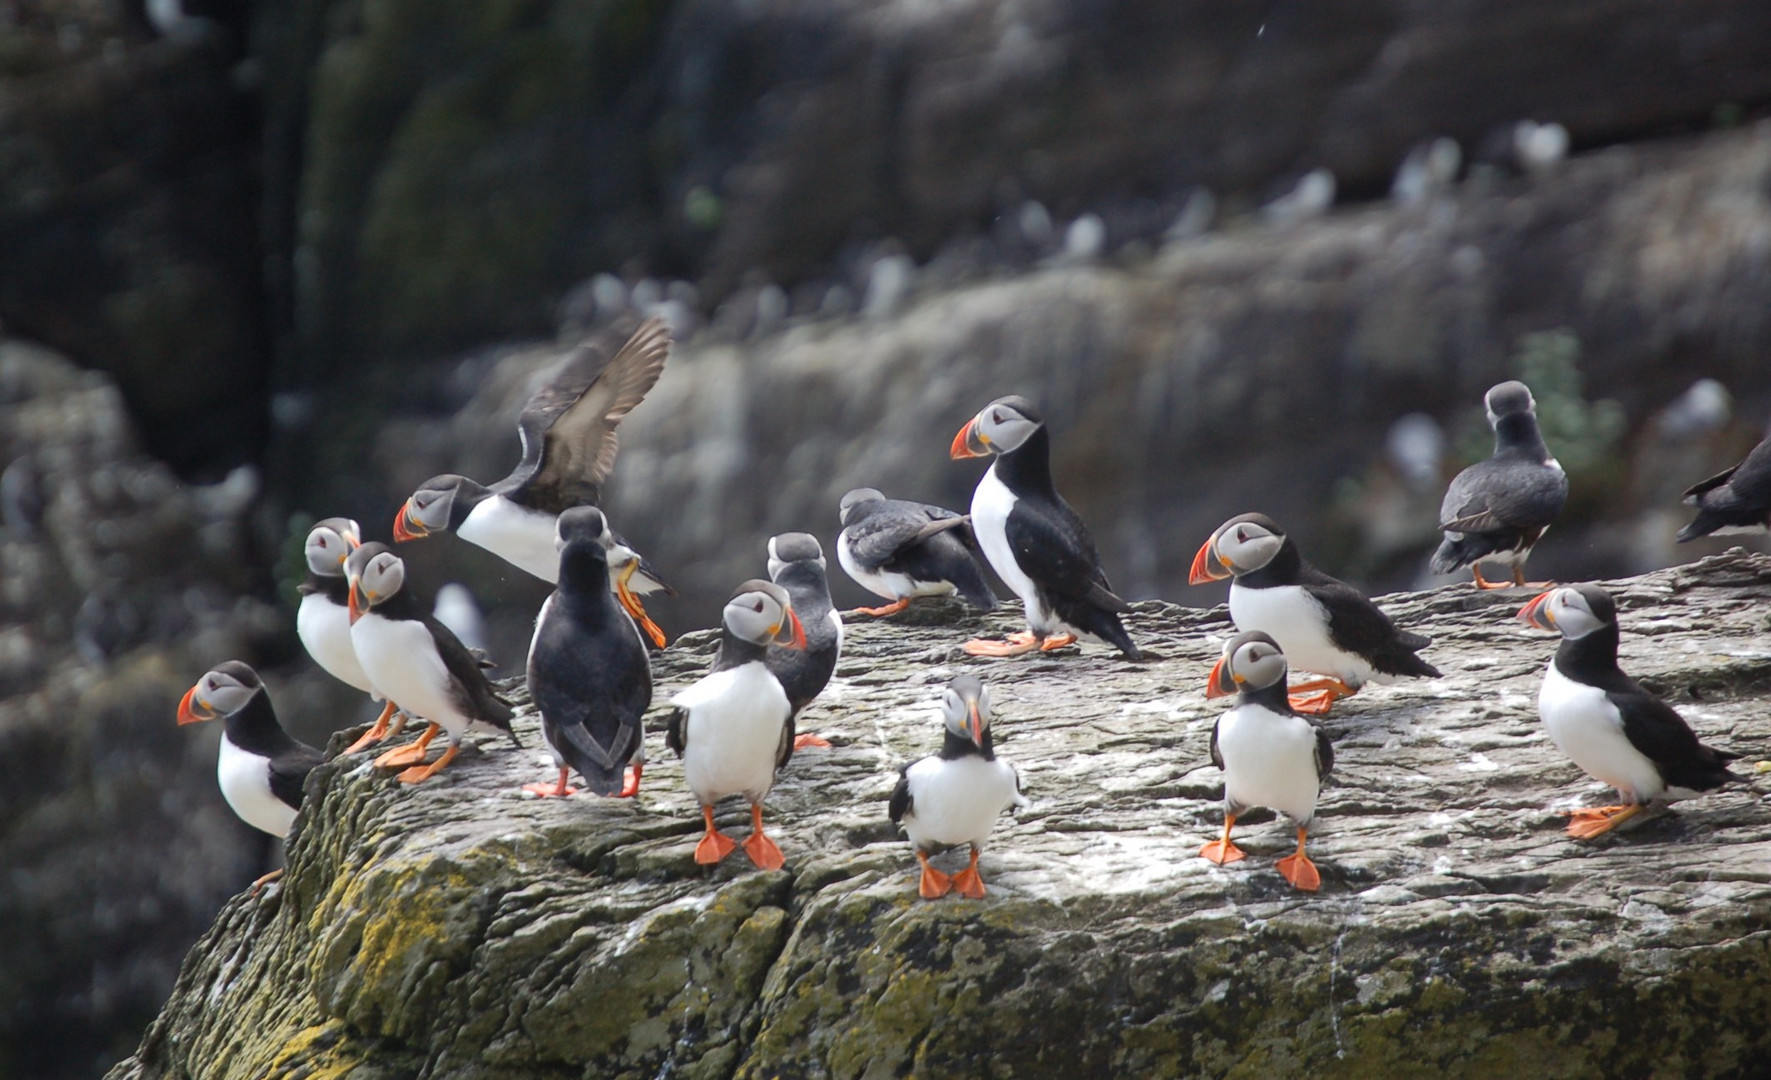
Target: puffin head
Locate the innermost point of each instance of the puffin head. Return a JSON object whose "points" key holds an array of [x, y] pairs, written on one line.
{"points": [[761, 612], [1242, 544], [1251, 661], [795, 547], [222, 691], [375, 573], [965, 709], [582, 523], [329, 543], [586, 530], [1001, 426], [856, 498], [1574, 610], [430, 508], [1508, 399]]}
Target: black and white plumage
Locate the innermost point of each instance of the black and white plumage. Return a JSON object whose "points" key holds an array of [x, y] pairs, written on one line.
{"points": [[901, 550], [954, 796], [418, 662], [1735, 500], [322, 620], [734, 728], [1033, 539], [261, 767], [1270, 756], [796, 563], [1606, 722], [569, 446], [1324, 625], [589, 673], [1495, 510]]}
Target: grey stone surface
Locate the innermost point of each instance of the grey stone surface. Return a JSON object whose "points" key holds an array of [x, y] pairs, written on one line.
{"points": [[464, 929]]}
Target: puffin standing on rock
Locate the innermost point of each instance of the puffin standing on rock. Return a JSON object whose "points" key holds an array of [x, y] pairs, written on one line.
{"points": [[589, 673], [734, 728], [955, 796], [796, 563], [323, 620], [1270, 756], [1324, 625], [901, 550], [1495, 510], [417, 661], [1735, 500], [569, 446], [1037, 544], [261, 768], [1616, 731]]}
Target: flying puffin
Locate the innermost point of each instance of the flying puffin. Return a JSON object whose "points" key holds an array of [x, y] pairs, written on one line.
{"points": [[901, 550], [734, 728], [1269, 754], [955, 796], [417, 661], [1037, 544], [1616, 731], [323, 619], [261, 768], [1735, 500], [1495, 510], [589, 673], [796, 563], [1324, 625], [569, 445]]}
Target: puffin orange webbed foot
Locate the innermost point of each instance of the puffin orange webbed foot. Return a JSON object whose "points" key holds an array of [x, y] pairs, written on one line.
{"points": [[934, 884], [809, 739], [890, 609]]}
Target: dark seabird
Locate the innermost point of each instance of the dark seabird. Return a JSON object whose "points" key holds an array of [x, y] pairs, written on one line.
{"points": [[901, 550], [1495, 510]]}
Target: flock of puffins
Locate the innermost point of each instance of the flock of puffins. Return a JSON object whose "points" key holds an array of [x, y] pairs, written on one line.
{"points": [[589, 671]]}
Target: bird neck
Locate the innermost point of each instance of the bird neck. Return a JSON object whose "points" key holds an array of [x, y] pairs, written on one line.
{"points": [[335, 587], [401, 605], [1273, 698], [734, 651], [1284, 568], [468, 495], [1591, 659], [807, 585], [1028, 467], [954, 747], [584, 578], [255, 729], [1518, 435]]}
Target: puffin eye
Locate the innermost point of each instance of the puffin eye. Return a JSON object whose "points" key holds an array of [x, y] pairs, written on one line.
{"points": [[1242, 536]]}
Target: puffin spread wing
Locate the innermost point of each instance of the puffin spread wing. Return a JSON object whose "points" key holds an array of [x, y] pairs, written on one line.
{"points": [[1485, 498], [568, 427], [1061, 560]]}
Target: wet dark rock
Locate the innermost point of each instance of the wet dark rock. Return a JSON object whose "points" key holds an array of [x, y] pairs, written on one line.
{"points": [[466, 929]]}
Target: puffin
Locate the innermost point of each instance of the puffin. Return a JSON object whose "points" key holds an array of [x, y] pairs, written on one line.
{"points": [[262, 767], [1609, 724], [734, 728], [1495, 510], [1035, 542], [1324, 625], [322, 621], [569, 446], [1735, 500], [589, 672], [796, 563], [417, 661], [954, 796], [901, 550], [1270, 755]]}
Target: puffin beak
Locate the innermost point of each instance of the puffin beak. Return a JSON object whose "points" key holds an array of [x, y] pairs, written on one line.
{"points": [[354, 541], [1537, 612], [1207, 566], [634, 607], [969, 443], [1218, 683], [977, 724], [404, 527], [355, 608], [187, 714], [791, 633]]}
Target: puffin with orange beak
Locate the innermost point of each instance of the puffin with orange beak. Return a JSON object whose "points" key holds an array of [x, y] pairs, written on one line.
{"points": [[1323, 624], [569, 446], [1607, 723], [1033, 539], [955, 796], [796, 563], [261, 768], [1269, 754], [323, 619], [417, 661], [734, 728]]}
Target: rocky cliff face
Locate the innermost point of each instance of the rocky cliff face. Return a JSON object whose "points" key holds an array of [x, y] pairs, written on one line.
{"points": [[465, 930]]}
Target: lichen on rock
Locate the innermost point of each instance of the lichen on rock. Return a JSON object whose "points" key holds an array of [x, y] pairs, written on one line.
{"points": [[464, 929]]}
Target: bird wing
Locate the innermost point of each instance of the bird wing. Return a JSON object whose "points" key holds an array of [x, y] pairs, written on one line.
{"points": [[784, 752], [1747, 484], [1493, 494], [1661, 735], [568, 426], [468, 684], [1217, 756], [1355, 624], [1059, 555], [289, 770], [901, 802], [676, 731], [876, 539], [1324, 754]]}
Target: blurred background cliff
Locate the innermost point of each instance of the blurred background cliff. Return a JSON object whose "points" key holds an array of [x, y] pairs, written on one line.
{"points": [[264, 263]]}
